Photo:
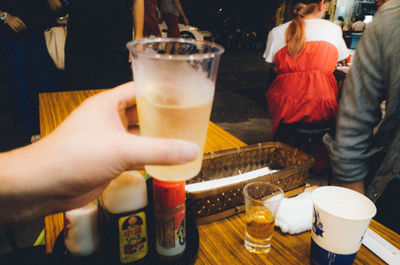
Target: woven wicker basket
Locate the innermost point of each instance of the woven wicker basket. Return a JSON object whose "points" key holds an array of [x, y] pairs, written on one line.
{"points": [[218, 203]]}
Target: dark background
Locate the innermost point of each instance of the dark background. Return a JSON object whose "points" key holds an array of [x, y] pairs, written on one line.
{"points": [[231, 21]]}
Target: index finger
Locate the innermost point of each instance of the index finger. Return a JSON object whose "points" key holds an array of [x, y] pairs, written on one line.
{"points": [[20, 22], [137, 151], [15, 28], [124, 95]]}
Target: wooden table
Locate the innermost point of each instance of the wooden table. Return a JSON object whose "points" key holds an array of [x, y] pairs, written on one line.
{"points": [[221, 242]]}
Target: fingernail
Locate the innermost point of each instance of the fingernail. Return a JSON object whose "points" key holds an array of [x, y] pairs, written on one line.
{"points": [[190, 151]]}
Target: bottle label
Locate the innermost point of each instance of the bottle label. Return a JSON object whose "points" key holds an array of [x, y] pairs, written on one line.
{"points": [[180, 231], [133, 243], [171, 234]]}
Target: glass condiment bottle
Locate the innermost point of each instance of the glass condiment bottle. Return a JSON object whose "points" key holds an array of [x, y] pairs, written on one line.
{"points": [[169, 217], [125, 218]]}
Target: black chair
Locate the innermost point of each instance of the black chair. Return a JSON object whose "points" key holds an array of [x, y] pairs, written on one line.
{"points": [[305, 137]]}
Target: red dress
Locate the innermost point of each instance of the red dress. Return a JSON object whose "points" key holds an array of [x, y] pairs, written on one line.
{"points": [[150, 26], [305, 89]]}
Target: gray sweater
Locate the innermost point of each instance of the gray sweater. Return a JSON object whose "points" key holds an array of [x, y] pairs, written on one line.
{"points": [[374, 77]]}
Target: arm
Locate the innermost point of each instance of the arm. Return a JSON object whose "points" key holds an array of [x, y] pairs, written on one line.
{"points": [[359, 111], [180, 10], [14, 22], [138, 18], [72, 165]]}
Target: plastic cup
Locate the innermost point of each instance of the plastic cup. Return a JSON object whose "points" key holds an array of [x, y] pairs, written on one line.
{"points": [[175, 82]]}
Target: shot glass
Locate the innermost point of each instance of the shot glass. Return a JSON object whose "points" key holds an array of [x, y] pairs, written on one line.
{"points": [[175, 83], [262, 201]]}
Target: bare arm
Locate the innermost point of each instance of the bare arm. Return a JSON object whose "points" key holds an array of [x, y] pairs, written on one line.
{"points": [[138, 18], [72, 165], [180, 10]]}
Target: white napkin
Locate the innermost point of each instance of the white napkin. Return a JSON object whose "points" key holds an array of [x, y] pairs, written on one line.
{"points": [[217, 183], [295, 214]]}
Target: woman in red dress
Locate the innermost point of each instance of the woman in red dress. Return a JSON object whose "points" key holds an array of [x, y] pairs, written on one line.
{"points": [[151, 19], [304, 52]]}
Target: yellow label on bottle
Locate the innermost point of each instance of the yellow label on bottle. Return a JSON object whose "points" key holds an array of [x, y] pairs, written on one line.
{"points": [[133, 243]]}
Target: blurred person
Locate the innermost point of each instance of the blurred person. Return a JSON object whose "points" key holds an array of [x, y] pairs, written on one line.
{"points": [[350, 24], [29, 68], [95, 50], [171, 9], [297, 7], [360, 158], [379, 3], [359, 24], [339, 21], [304, 53], [151, 19], [72, 165]]}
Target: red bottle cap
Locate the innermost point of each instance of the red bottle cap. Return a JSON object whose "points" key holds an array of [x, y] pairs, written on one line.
{"points": [[168, 194]]}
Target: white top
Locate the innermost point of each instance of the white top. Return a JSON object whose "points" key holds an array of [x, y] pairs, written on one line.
{"points": [[339, 23], [358, 25], [316, 30]]}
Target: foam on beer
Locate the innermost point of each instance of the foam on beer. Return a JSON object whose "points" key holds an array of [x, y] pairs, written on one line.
{"points": [[189, 87], [128, 191]]}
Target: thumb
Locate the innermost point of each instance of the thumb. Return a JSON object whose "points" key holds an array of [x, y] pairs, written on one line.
{"points": [[138, 151]]}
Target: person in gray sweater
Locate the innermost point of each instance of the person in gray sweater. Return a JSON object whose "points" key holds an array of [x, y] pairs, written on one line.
{"points": [[360, 159]]}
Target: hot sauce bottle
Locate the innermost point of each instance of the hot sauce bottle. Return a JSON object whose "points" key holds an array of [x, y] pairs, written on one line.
{"points": [[169, 217], [125, 218]]}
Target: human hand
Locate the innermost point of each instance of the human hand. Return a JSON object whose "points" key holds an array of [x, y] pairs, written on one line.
{"points": [[97, 142], [15, 23]]}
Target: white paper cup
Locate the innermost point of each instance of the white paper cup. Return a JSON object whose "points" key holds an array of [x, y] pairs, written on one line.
{"points": [[340, 219]]}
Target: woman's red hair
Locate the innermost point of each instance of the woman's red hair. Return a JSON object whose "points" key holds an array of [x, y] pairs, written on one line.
{"points": [[295, 36]]}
